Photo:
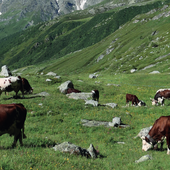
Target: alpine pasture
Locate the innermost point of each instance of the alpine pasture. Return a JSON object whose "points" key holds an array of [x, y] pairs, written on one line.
{"points": [[56, 118]]}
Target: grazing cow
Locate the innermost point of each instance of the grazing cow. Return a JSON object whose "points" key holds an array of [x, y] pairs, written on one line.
{"points": [[160, 96], [12, 118], [11, 84], [95, 95], [133, 98], [159, 131], [71, 90], [26, 86]]}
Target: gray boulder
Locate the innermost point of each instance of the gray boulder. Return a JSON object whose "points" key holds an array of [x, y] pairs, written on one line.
{"points": [[51, 74], [5, 71], [113, 105], [64, 86], [116, 121], [91, 102], [92, 76], [76, 96], [143, 132], [67, 147]]}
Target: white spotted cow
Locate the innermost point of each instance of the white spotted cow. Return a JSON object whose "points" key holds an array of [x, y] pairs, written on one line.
{"points": [[160, 96], [11, 84]]}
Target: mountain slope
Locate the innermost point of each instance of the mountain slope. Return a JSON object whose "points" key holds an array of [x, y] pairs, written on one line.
{"points": [[67, 34]]}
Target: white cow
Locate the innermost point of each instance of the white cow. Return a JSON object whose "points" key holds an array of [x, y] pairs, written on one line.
{"points": [[11, 84]]}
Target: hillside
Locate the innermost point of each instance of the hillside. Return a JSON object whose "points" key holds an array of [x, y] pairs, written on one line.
{"points": [[70, 33]]}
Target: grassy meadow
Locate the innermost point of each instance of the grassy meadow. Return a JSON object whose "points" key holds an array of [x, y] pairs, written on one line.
{"points": [[58, 119]]}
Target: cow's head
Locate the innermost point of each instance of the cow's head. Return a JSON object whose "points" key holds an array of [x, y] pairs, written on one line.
{"points": [[154, 102], [141, 103], [146, 145]]}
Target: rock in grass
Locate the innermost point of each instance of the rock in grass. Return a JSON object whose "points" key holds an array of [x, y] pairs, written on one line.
{"points": [[67, 147], [143, 132], [144, 158], [64, 86], [91, 102]]}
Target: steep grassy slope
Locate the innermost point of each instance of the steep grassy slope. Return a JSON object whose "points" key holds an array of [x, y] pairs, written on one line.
{"points": [[62, 36], [142, 44]]}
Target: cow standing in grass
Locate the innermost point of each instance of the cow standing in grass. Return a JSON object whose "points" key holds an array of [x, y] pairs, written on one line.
{"points": [[11, 84], [134, 99], [160, 96], [12, 118]]}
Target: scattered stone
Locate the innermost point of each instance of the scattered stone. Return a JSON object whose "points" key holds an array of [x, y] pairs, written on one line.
{"points": [[100, 58], [94, 75], [43, 94], [5, 71], [121, 142], [143, 132], [116, 121], [64, 86], [116, 85], [91, 102], [113, 105], [144, 158], [154, 72], [48, 80], [67, 147], [51, 74], [76, 96], [133, 70], [57, 77]]}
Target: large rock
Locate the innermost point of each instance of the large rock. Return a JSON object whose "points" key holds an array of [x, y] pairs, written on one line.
{"points": [[67, 147], [116, 121], [143, 132], [83, 96], [5, 71], [51, 74], [64, 86], [91, 102]]}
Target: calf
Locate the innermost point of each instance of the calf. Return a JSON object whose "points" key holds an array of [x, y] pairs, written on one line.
{"points": [[158, 132], [12, 118], [133, 98], [160, 96], [95, 95]]}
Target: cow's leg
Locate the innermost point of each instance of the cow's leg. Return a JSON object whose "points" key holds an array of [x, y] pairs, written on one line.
{"points": [[17, 136], [168, 144]]}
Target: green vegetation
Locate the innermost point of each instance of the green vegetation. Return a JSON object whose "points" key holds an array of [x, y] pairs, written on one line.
{"points": [[70, 33], [59, 120]]}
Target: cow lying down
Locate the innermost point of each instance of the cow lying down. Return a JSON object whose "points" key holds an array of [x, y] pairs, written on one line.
{"points": [[157, 134], [134, 99], [12, 118]]}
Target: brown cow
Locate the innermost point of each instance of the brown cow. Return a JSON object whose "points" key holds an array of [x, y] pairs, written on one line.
{"points": [[71, 90], [12, 118], [26, 86], [133, 98], [160, 96], [158, 132]]}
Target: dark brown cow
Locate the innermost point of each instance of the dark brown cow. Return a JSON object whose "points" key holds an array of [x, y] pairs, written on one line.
{"points": [[26, 86], [158, 132], [12, 118], [160, 96], [71, 90], [95, 95], [133, 98]]}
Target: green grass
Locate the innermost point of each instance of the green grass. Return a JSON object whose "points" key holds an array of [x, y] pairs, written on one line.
{"points": [[59, 120]]}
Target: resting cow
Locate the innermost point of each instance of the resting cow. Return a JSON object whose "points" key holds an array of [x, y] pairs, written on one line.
{"points": [[159, 131], [12, 118], [11, 84], [95, 95], [26, 86], [160, 96], [71, 90]]}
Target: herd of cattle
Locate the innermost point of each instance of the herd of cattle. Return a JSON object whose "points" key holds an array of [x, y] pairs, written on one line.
{"points": [[13, 116]]}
